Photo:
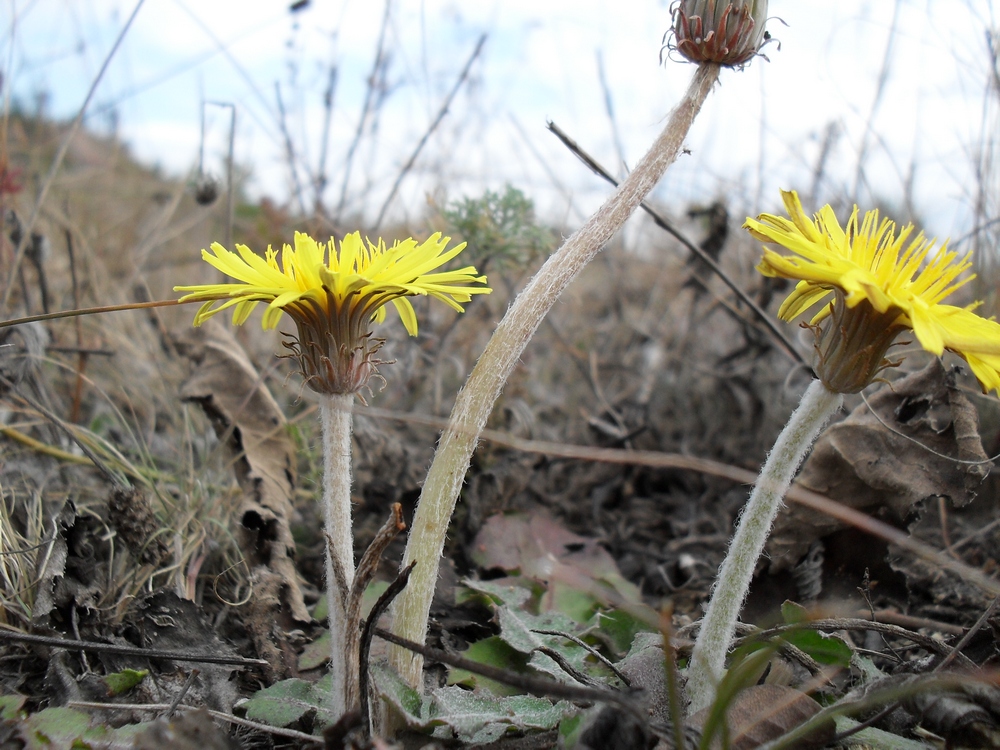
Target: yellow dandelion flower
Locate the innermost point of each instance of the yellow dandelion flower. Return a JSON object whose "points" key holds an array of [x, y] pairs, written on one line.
{"points": [[334, 296], [874, 283]]}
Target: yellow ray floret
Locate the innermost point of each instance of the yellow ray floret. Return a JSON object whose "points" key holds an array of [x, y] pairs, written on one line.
{"points": [[869, 261], [358, 279]]}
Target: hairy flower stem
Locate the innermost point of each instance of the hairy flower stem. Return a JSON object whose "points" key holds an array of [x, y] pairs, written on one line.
{"points": [[335, 414], [719, 624], [477, 398]]}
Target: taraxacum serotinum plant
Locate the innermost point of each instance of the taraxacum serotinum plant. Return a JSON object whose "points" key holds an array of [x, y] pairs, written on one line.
{"points": [[870, 285], [334, 296]]}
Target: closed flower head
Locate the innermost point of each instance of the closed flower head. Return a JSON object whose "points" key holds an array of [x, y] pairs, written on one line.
{"points": [[872, 283], [727, 32], [334, 296]]}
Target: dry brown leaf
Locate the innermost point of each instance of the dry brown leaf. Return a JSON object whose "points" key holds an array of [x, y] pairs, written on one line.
{"points": [[248, 420], [762, 713], [540, 547], [864, 463]]}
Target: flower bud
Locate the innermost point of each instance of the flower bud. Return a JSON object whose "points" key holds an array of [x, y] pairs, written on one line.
{"points": [[717, 31]]}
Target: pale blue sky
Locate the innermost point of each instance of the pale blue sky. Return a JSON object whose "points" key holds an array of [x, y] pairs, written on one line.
{"points": [[760, 130]]}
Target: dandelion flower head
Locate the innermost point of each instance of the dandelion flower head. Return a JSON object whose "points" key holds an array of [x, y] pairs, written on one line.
{"points": [[874, 284], [334, 295]]}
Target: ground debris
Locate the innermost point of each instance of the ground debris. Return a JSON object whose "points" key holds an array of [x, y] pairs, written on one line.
{"points": [[886, 461], [250, 423]]}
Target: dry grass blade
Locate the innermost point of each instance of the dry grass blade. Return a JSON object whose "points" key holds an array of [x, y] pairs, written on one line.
{"points": [[110, 648], [88, 311]]}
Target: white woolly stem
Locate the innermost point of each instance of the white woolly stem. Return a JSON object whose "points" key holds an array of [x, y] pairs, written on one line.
{"points": [[335, 414], [708, 659], [477, 398]]}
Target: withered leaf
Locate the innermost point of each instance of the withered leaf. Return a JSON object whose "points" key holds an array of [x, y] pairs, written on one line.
{"points": [[874, 463], [540, 547], [762, 713], [248, 420]]}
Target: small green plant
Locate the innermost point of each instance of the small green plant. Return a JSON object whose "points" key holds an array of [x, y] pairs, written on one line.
{"points": [[500, 228]]}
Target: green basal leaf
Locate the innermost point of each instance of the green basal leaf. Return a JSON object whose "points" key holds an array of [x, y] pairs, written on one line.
{"points": [[495, 652], [321, 612], [121, 682], [407, 701], [500, 592], [569, 730], [282, 704], [864, 665], [621, 629], [793, 613], [70, 728], [826, 649], [322, 697], [10, 706], [475, 716], [316, 653], [578, 605]]}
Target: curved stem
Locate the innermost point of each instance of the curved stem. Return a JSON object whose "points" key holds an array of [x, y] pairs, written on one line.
{"points": [[335, 415], [477, 398], [709, 656]]}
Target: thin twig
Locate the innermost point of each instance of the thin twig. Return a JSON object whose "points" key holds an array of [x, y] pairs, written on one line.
{"points": [[665, 225], [534, 685], [880, 87], [964, 641], [88, 311], [609, 108], [430, 131], [591, 650], [566, 667], [157, 707], [58, 160], [367, 568], [394, 590], [110, 648], [182, 692], [874, 698], [319, 184]]}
